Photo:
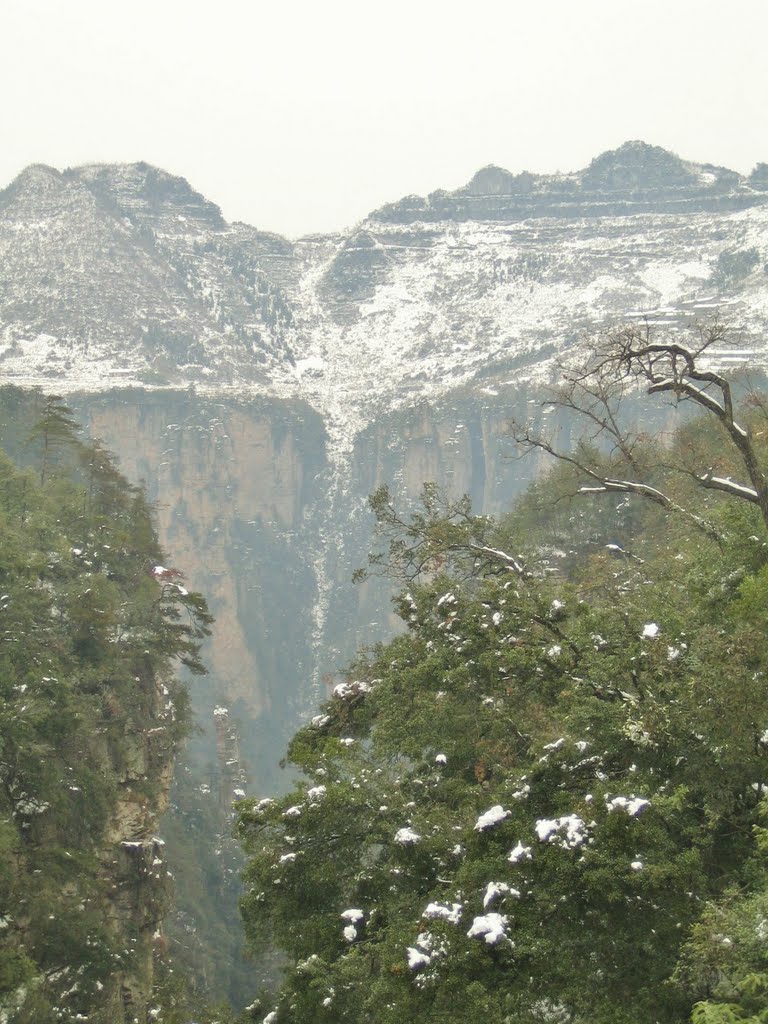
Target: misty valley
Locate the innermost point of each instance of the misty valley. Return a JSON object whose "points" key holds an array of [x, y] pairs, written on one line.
{"points": [[383, 613]]}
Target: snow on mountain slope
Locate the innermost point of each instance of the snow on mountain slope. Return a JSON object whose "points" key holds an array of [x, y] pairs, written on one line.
{"points": [[490, 302], [125, 274], [98, 290]]}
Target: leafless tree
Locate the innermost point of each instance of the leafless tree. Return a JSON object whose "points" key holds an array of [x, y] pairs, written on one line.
{"points": [[628, 360]]}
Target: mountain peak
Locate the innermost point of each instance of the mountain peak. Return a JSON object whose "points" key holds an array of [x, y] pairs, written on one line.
{"points": [[496, 181], [38, 178], [37, 174], [38, 189], [636, 164], [141, 189]]}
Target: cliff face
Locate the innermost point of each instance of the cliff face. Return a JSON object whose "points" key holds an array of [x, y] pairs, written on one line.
{"points": [[263, 388], [237, 487], [270, 529], [269, 521], [133, 868]]}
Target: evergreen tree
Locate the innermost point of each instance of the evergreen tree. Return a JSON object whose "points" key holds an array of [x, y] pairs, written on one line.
{"points": [[90, 713], [55, 430]]}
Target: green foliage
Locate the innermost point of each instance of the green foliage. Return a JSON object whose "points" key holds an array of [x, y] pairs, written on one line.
{"points": [[175, 1000], [91, 631], [55, 431], [436, 533], [533, 804], [207, 857]]}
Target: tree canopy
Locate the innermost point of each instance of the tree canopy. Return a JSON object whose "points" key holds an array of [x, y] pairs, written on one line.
{"points": [[91, 635], [544, 800]]}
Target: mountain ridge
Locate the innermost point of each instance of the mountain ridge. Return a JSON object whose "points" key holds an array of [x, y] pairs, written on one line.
{"points": [[632, 165], [126, 273]]}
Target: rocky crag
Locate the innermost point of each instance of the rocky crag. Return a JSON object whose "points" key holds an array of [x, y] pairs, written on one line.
{"points": [[262, 387]]}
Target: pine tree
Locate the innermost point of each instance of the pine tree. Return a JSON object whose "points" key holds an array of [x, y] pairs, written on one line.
{"points": [[56, 430]]}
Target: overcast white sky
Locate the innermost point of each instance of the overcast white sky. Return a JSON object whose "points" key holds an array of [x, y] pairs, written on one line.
{"points": [[301, 116]]}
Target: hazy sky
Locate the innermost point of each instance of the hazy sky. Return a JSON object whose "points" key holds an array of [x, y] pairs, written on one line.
{"points": [[301, 116]]}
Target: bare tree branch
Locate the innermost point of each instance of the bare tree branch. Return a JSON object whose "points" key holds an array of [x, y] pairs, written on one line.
{"points": [[617, 364], [671, 367], [509, 561], [605, 483]]}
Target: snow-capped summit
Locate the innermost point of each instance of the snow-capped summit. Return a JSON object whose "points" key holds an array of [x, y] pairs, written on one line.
{"points": [[124, 273]]}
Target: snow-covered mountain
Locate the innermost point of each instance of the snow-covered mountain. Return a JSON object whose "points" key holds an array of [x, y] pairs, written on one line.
{"points": [[125, 273]]}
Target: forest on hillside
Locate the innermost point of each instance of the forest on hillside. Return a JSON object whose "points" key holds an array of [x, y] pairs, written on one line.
{"points": [[93, 626], [545, 801]]}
